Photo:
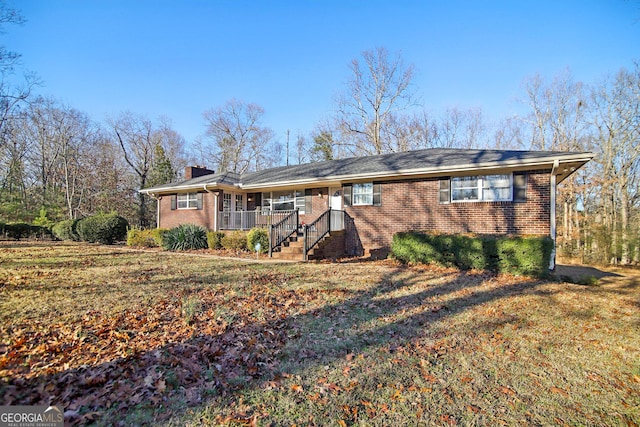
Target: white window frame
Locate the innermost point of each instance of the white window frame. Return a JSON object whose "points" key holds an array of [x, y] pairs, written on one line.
{"points": [[480, 188], [227, 201], [297, 197], [362, 194], [239, 203], [187, 201]]}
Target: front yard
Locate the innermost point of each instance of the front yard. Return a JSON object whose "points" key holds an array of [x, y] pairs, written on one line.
{"points": [[137, 338]]}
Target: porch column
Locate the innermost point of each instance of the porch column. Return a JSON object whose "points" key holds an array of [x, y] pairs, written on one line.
{"points": [[552, 219]]}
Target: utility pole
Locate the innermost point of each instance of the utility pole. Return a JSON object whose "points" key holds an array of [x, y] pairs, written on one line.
{"points": [[287, 147]]}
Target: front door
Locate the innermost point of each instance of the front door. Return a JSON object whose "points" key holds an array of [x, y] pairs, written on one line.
{"points": [[335, 203], [335, 198]]}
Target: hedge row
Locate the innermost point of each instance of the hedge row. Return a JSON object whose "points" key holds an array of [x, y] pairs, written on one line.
{"points": [[23, 230], [190, 236], [516, 255], [100, 228]]}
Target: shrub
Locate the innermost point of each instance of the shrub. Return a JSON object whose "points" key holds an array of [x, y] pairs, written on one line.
{"points": [[102, 228], [258, 235], [517, 255], [185, 237], [214, 239], [66, 230], [138, 237], [17, 231], [21, 230], [236, 241], [158, 234]]}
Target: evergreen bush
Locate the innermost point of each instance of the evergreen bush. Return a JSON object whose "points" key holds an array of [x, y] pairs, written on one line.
{"points": [[214, 239], [102, 228], [235, 241], [258, 235], [66, 230], [185, 237], [516, 255], [21, 230]]}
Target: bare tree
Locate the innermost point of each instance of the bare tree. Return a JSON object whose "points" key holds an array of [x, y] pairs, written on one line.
{"points": [[558, 121], [616, 118], [459, 128], [135, 136], [12, 94], [240, 142], [380, 87]]}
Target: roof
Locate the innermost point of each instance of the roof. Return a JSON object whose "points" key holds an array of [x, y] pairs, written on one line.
{"points": [[428, 162]]}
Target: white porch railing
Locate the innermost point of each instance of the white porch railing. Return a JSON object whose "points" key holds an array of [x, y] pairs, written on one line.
{"points": [[246, 220]]}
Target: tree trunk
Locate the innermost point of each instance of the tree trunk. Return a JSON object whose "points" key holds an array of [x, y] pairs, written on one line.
{"points": [[624, 226]]}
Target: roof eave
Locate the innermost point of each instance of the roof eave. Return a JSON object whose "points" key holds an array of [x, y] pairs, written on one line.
{"points": [[437, 171], [183, 188]]}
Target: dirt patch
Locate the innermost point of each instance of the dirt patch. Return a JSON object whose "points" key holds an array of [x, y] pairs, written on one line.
{"points": [[588, 275]]}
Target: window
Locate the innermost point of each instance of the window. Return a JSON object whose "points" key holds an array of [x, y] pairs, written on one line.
{"points": [[226, 202], [479, 188], [188, 201], [496, 187], [287, 200], [464, 188], [364, 194], [238, 202]]}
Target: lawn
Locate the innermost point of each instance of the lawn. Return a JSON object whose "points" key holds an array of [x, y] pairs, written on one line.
{"points": [[119, 337]]}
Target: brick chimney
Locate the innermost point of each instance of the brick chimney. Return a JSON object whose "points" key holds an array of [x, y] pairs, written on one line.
{"points": [[196, 171]]}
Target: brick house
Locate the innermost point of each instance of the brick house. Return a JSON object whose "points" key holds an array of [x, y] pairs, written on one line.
{"points": [[354, 206]]}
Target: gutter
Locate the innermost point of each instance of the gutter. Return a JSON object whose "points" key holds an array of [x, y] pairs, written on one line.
{"points": [[215, 205], [157, 199]]}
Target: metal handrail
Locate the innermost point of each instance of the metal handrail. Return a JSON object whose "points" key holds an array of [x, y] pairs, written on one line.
{"points": [[316, 231], [281, 231]]}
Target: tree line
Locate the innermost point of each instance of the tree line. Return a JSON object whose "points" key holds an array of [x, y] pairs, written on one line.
{"points": [[57, 162]]}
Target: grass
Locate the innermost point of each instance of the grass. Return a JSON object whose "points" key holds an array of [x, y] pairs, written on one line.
{"points": [[139, 338]]}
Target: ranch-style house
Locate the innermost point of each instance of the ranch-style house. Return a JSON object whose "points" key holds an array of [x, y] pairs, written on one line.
{"points": [[354, 206]]}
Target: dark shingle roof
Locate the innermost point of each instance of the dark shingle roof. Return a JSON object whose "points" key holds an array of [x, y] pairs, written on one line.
{"points": [[435, 158], [224, 178], [429, 160]]}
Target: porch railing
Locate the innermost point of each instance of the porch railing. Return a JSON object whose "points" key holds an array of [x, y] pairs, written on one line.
{"points": [[280, 231], [330, 220], [246, 220]]}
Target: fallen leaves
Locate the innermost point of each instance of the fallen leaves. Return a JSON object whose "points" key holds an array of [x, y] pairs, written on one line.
{"points": [[140, 356]]}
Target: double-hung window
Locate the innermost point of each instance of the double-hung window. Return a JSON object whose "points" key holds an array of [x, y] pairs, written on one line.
{"points": [[188, 201], [287, 200], [478, 188], [362, 194]]}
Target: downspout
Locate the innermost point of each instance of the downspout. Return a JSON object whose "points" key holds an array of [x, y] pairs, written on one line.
{"points": [[157, 199], [215, 206], [552, 231]]}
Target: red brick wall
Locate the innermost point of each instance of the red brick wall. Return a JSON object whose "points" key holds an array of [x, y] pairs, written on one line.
{"points": [[414, 205], [319, 205], [172, 218]]}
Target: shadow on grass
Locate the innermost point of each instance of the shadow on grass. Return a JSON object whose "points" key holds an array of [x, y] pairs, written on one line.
{"points": [[243, 354]]}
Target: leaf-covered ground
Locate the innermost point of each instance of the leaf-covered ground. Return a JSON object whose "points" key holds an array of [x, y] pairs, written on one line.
{"points": [[138, 338]]}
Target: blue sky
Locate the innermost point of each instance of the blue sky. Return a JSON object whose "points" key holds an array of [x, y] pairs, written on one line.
{"points": [[180, 58]]}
